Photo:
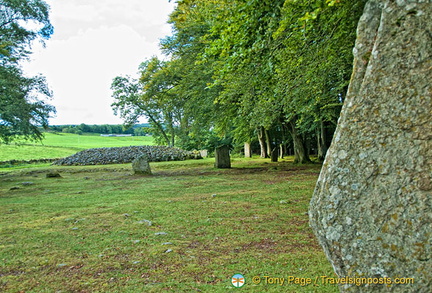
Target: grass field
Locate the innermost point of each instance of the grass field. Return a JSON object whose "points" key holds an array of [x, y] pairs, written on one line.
{"points": [[86, 231], [65, 144]]}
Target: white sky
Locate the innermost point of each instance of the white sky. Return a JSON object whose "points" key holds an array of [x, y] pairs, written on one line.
{"points": [[93, 42]]}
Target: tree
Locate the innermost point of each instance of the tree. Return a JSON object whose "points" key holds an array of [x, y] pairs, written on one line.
{"points": [[174, 95], [314, 62], [265, 71], [22, 99], [245, 44], [285, 65], [146, 97]]}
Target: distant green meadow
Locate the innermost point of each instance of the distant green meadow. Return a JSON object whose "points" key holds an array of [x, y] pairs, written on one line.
{"points": [[59, 145]]}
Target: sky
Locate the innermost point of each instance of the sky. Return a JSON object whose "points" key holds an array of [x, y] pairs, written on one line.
{"points": [[93, 42]]}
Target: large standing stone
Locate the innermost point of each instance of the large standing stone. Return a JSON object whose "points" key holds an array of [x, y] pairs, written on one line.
{"points": [[274, 154], [222, 157], [371, 209], [141, 165]]}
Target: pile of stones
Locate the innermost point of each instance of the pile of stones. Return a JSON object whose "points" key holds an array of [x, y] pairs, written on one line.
{"points": [[122, 155]]}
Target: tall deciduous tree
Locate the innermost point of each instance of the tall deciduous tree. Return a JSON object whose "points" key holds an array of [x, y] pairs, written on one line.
{"points": [[22, 99], [132, 102], [285, 64], [266, 70], [314, 62]]}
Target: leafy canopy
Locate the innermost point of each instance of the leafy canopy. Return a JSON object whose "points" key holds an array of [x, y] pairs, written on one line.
{"points": [[22, 99]]}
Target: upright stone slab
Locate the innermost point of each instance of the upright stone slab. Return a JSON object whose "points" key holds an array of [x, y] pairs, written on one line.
{"points": [[141, 165], [274, 154], [222, 157], [371, 209]]}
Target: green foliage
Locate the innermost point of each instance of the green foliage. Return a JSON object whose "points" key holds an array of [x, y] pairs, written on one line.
{"points": [[284, 61], [173, 97], [242, 69], [315, 58], [136, 129], [22, 21], [21, 112], [22, 99], [147, 97]]}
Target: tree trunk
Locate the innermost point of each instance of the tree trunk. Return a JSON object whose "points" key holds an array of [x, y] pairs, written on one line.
{"points": [[261, 139], [321, 139], [247, 150], [222, 157], [160, 128], [300, 154], [282, 150], [282, 146], [171, 129], [268, 142]]}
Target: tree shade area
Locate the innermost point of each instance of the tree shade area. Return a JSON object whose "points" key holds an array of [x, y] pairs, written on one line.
{"points": [[23, 106], [269, 74]]}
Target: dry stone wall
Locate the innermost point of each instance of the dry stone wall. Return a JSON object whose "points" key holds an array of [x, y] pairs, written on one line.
{"points": [[372, 206]]}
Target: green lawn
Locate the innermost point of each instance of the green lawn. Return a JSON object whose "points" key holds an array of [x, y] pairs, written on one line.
{"points": [[82, 232], [65, 144]]}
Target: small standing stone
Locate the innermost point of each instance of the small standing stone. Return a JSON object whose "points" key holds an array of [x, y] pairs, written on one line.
{"points": [[141, 165], [275, 154]]}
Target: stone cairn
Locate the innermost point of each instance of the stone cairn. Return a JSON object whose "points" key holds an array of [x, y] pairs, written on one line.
{"points": [[123, 155], [372, 205]]}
